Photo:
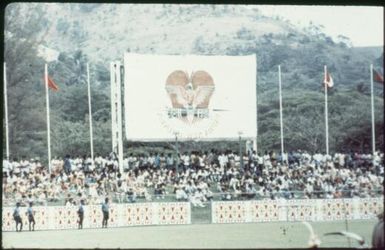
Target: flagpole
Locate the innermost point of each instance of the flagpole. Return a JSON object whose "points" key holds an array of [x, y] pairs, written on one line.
{"points": [[120, 138], [280, 106], [90, 114], [255, 142], [48, 119], [326, 113], [6, 111], [372, 107], [113, 108]]}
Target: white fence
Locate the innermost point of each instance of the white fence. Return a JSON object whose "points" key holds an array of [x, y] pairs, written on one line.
{"points": [[61, 217], [295, 210], [171, 213]]}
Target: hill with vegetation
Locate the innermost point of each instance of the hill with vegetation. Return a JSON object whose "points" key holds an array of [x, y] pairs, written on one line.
{"points": [[77, 34]]}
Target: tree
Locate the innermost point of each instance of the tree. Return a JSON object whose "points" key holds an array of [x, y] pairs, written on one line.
{"points": [[24, 77]]}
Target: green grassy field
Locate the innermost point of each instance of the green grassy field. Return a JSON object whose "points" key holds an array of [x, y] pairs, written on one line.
{"points": [[250, 235]]}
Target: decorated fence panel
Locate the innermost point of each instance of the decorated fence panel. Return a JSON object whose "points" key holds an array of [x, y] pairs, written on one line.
{"points": [[265, 210], [65, 217], [370, 207], [303, 210], [173, 213], [230, 212], [138, 214], [93, 216], [337, 209], [295, 210]]}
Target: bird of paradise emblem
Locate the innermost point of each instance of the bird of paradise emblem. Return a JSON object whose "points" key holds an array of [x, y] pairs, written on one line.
{"points": [[190, 95]]}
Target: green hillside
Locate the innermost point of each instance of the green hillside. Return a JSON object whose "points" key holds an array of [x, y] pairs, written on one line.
{"points": [[98, 34]]}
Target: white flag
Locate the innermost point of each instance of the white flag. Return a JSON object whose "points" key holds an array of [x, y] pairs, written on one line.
{"points": [[328, 80]]}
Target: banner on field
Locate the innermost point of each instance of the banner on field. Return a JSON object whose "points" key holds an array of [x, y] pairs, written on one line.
{"points": [[189, 97]]}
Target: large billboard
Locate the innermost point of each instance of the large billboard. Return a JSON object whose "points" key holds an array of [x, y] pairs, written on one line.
{"points": [[192, 97]]}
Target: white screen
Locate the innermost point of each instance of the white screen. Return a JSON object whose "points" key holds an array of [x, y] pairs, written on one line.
{"points": [[230, 103]]}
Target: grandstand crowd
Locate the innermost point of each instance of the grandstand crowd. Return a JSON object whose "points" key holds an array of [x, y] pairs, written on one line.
{"points": [[196, 177]]}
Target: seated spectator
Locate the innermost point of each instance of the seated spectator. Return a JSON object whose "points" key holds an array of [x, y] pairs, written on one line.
{"points": [[197, 198], [180, 194], [344, 175], [131, 195], [250, 191]]}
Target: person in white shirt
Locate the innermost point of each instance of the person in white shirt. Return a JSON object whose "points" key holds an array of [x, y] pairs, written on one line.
{"points": [[180, 194], [223, 160], [151, 159], [341, 160], [284, 157], [186, 160], [197, 199], [234, 182], [266, 160], [6, 167], [254, 157], [98, 161]]}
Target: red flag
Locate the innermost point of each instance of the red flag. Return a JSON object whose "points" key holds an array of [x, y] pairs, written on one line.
{"points": [[377, 77], [52, 85], [328, 80]]}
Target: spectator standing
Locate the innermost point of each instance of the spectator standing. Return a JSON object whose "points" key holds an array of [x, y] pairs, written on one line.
{"points": [[284, 157], [170, 161], [67, 165], [157, 161]]}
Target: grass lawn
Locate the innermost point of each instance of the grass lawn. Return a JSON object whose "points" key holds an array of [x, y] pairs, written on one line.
{"points": [[249, 235]]}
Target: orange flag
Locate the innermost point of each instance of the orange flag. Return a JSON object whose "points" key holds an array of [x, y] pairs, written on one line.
{"points": [[377, 77], [52, 85]]}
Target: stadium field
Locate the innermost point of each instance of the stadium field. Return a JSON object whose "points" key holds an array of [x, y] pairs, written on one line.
{"points": [[250, 235]]}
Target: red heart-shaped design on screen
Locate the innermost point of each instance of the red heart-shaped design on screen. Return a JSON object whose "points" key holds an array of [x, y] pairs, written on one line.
{"points": [[190, 94]]}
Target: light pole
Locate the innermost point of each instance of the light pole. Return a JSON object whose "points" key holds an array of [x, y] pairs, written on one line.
{"points": [[240, 149], [177, 151]]}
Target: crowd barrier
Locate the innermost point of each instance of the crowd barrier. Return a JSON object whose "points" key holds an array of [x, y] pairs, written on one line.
{"points": [[65, 217], [171, 213], [296, 210]]}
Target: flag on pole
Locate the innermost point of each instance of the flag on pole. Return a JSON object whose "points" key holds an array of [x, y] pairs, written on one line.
{"points": [[328, 80], [377, 77], [46, 83], [51, 84]]}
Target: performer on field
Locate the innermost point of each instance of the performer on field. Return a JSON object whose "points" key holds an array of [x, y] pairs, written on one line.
{"points": [[81, 214], [105, 210], [31, 218], [17, 218]]}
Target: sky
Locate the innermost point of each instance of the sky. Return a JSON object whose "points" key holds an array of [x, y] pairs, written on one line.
{"points": [[363, 25]]}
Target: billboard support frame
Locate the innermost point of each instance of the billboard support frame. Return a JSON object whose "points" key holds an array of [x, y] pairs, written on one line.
{"points": [[116, 112]]}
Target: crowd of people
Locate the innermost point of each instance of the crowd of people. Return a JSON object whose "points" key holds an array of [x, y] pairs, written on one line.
{"points": [[197, 177]]}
